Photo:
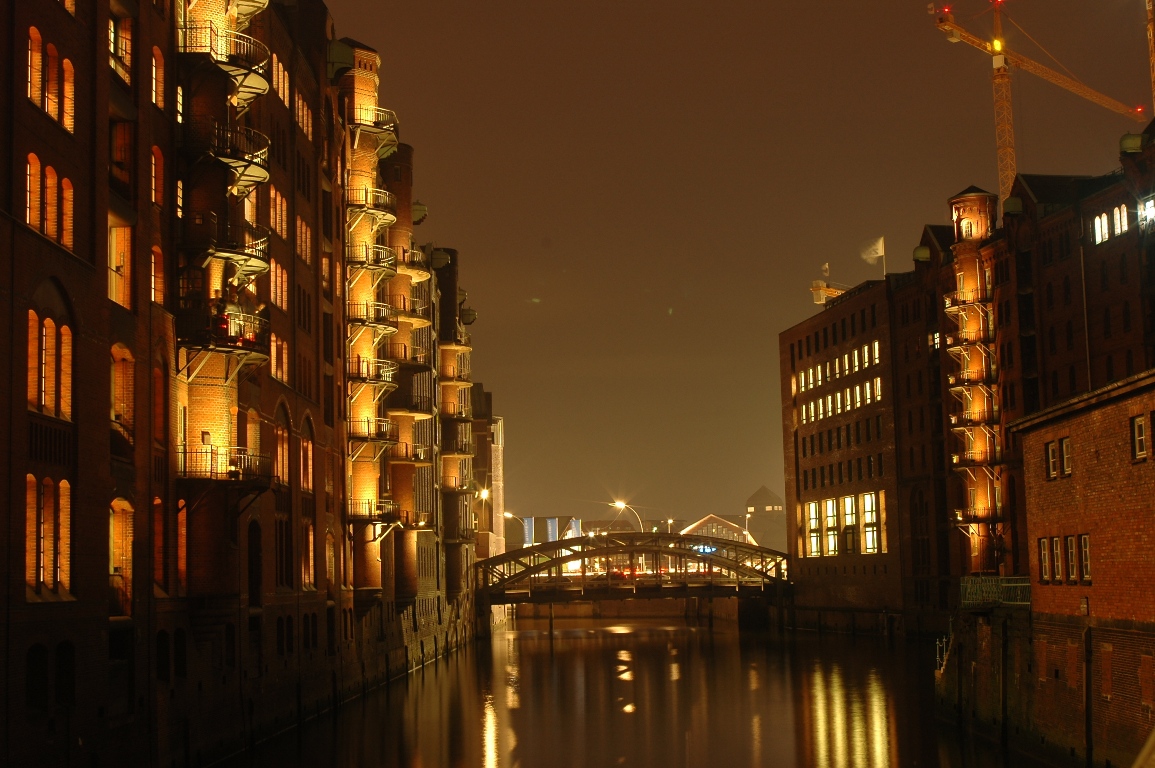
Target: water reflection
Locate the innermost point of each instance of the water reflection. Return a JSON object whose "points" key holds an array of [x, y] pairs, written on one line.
{"points": [[644, 694]]}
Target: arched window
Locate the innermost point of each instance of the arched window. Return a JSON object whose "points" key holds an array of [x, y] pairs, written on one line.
{"points": [[67, 209], [281, 446], [120, 534], [157, 276], [51, 204], [122, 406], [307, 456], [120, 265], [65, 378], [52, 91], [1098, 231], [64, 535], [157, 176], [308, 559], [68, 102], [48, 366], [32, 192], [33, 361], [1118, 224], [48, 533], [157, 78], [35, 66]]}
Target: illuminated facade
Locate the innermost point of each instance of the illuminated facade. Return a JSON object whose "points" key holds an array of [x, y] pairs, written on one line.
{"points": [[235, 494]]}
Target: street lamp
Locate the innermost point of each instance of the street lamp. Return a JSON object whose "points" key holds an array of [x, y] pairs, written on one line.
{"points": [[747, 528], [524, 528], [669, 525], [621, 505]]}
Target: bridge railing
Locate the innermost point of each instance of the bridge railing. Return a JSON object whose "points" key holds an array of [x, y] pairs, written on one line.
{"points": [[634, 558]]}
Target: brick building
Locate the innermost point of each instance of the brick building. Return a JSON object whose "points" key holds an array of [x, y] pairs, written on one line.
{"points": [[235, 373]]}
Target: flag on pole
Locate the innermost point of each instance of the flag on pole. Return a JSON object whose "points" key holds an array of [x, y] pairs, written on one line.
{"points": [[826, 269], [873, 251]]}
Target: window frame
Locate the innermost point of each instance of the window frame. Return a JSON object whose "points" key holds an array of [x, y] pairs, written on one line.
{"points": [[1044, 559], [1066, 457], [1085, 558], [1051, 459], [1139, 437]]}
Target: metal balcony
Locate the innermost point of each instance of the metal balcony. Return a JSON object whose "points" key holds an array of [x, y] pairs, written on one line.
{"points": [[957, 299], [374, 511], [971, 376], [244, 244], [983, 458], [210, 330], [452, 374], [456, 447], [376, 121], [244, 150], [413, 262], [225, 463], [243, 58], [247, 9], [371, 370], [974, 418], [414, 311], [410, 453], [451, 409], [372, 313], [978, 515], [371, 430], [961, 338], [986, 592], [460, 524], [405, 354], [456, 484], [371, 256], [413, 405], [362, 197]]}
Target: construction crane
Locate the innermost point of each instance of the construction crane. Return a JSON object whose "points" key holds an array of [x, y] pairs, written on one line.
{"points": [[1004, 59]]}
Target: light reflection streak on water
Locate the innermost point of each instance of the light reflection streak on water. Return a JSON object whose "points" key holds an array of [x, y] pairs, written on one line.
{"points": [[489, 733]]}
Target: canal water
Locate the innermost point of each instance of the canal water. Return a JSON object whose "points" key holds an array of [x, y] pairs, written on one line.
{"points": [[646, 693]]}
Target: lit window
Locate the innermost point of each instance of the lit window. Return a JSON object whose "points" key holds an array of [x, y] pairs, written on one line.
{"points": [[811, 411], [815, 538], [120, 265], [870, 523], [831, 510], [856, 359], [877, 389], [829, 405], [865, 356], [1051, 458], [157, 78], [52, 89], [307, 457], [803, 413], [123, 393], [68, 112], [32, 192], [858, 396], [51, 207], [67, 207], [1065, 454], [838, 402], [35, 66], [819, 376], [157, 177], [877, 353], [179, 104], [868, 389], [821, 410], [850, 523], [1085, 558], [179, 198], [1044, 560], [1139, 437]]}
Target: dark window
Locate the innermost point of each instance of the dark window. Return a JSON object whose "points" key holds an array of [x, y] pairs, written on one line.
{"points": [[1126, 317], [1106, 322], [1050, 296], [1051, 339], [1067, 290], [1070, 335]]}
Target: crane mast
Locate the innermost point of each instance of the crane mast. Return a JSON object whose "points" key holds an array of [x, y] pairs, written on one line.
{"points": [[1151, 44], [1003, 60]]}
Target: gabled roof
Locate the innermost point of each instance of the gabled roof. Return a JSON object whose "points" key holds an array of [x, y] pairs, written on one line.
{"points": [[762, 497], [715, 519], [357, 44], [942, 235], [1055, 190]]}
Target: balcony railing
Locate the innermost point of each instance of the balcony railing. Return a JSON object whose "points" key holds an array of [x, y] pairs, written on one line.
{"points": [[986, 457], [372, 198], [995, 591], [982, 375], [409, 452], [213, 462], [371, 313], [973, 417], [977, 515], [456, 446], [457, 483], [407, 305], [239, 241], [372, 430], [374, 511], [963, 298], [456, 410], [370, 116], [226, 47], [413, 259], [414, 403], [246, 150], [456, 373], [972, 336], [207, 328], [405, 353], [370, 256], [372, 370]]}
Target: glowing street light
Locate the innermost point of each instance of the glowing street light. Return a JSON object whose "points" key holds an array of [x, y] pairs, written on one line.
{"points": [[620, 506]]}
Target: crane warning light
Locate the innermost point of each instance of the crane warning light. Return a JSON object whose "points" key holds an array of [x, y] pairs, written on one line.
{"points": [[998, 44]]}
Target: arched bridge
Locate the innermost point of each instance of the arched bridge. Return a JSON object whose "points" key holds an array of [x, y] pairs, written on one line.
{"points": [[627, 565]]}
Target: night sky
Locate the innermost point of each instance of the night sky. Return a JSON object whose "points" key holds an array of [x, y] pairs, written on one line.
{"points": [[641, 193]]}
